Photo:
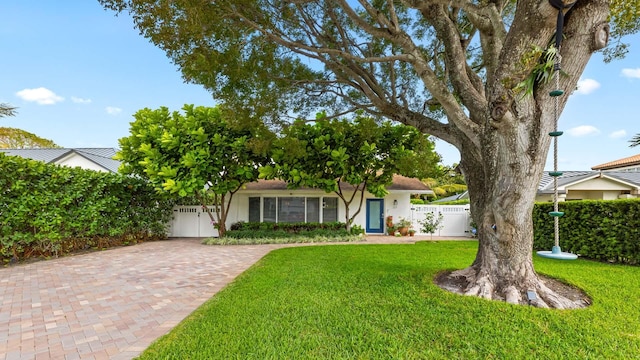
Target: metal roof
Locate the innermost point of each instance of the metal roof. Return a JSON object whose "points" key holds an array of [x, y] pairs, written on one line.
{"points": [[100, 156], [571, 177]]}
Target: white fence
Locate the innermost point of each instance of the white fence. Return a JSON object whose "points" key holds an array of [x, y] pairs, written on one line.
{"points": [[455, 219], [191, 221]]}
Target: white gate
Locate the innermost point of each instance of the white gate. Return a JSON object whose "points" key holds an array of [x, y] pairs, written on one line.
{"points": [[455, 219], [191, 221]]}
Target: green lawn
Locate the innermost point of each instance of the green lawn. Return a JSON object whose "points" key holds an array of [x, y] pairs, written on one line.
{"points": [[379, 302]]}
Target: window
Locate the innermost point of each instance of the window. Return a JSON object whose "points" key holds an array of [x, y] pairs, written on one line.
{"points": [[293, 209], [254, 209], [269, 210], [313, 210], [329, 210]]}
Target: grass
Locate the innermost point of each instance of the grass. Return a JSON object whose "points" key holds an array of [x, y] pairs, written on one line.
{"points": [[379, 302]]}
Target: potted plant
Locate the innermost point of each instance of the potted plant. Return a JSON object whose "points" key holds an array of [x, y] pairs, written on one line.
{"points": [[391, 230], [412, 231], [403, 226]]}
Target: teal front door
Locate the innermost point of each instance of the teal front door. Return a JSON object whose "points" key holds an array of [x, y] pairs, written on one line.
{"points": [[375, 216]]}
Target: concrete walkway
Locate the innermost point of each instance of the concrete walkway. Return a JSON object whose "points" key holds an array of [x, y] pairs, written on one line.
{"points": [[112, 304]]}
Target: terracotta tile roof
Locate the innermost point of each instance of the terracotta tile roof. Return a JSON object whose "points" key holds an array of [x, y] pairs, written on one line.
{"points": [[400, 183], [628, 161]]}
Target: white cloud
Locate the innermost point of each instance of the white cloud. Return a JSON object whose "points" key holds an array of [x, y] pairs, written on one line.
{"points": [[42, 96], [112, 110], [587, 86], [78, 100], [618, 134], [583, 130], [631, 73]]}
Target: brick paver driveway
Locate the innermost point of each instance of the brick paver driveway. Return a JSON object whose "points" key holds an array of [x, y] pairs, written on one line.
{"points": [[111, 304]]}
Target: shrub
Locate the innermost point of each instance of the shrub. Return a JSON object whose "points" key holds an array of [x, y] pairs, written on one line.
{"points": [[601, 230], [287, 230], [47, 210]]}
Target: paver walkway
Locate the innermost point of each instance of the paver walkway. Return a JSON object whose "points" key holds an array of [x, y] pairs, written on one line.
{"points": [[113, 304]]}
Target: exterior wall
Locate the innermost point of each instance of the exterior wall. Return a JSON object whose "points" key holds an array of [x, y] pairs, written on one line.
{"points": [[549, 197], [598, 184], [75, 160], [240, 204], [593, 195]]}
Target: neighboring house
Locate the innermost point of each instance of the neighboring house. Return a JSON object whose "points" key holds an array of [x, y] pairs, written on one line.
{"points": [[582, 185], [271, 201], [590, 185], [98, 159], [628, 164]]}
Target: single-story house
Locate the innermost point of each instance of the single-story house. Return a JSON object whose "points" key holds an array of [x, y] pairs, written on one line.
{"points": [[263, 200], [583, 185], [590, 185], [272, 201], [98, 159]]}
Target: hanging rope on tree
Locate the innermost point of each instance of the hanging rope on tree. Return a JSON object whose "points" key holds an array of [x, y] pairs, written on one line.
{"points": [[556, 251]]}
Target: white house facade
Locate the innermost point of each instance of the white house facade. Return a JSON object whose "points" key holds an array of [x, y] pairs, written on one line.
{"points": [[271, 201]]}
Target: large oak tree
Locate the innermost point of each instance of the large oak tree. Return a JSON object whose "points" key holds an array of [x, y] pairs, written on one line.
{"points": [[451, 68]]}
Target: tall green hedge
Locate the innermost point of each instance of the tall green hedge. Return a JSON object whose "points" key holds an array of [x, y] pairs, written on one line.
{"points": [[596, 229], [47, 209]]}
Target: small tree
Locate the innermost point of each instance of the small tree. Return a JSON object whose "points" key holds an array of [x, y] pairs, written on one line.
{"points": [[431, 223], [204, 148], [349, 158]]}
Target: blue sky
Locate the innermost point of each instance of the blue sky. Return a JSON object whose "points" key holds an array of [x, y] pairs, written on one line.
{"points": [[77, 73]]}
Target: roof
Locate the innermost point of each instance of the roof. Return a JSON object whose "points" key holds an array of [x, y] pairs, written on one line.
{"points": [[545, 186], [571, 177], [628, 161], [462, 195], [400, 183], [101, 156]]}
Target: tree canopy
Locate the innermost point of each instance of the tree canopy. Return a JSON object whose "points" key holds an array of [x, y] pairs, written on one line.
{"points": [[454, 69], [350, 157], [12, 138], [201, 148]]}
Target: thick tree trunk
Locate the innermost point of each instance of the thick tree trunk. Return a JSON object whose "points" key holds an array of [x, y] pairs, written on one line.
{"points": [[502, 197], [504, 170]]}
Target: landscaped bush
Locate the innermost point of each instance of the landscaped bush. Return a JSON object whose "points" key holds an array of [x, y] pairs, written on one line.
{"points": [[601, 230], [243, 233], [417, 201], [48, 210], [241, 230]]}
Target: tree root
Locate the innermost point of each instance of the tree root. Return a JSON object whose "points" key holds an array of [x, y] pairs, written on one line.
{"points": [[549, 293]]}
